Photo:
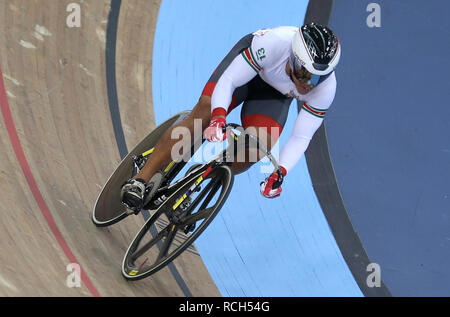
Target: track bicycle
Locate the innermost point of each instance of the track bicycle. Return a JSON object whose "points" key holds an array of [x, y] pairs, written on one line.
{"points": [[180, 209]]}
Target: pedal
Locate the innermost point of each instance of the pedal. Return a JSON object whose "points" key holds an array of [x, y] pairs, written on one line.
{"points": [[131, 210], [190, 228], [134, 208]]}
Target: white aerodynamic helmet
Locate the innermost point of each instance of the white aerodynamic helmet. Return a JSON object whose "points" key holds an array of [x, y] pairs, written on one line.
{"points": [[316, 48]]}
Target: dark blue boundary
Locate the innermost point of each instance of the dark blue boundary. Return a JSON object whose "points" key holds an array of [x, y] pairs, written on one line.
{"points": [[327, 190], [111, 39], [111, 82]]}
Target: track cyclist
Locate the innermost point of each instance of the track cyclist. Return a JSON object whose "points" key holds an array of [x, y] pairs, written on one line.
{"points": [[265, 71]]}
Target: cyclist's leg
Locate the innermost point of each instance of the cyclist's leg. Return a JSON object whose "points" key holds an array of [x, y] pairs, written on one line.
{"points": [[264, 115], [133, 190], [162, 154]]}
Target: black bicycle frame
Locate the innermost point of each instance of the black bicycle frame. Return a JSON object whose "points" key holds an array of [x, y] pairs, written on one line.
{"points": [[167, 189]]}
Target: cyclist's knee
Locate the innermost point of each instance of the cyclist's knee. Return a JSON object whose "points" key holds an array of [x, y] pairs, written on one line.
{"points": [[201, 111]]}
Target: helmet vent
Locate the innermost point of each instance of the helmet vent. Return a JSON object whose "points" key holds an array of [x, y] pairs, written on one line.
{"points": [[321, 43]]}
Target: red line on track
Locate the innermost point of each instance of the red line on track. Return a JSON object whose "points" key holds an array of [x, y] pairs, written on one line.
{"points": [[17, 146]]}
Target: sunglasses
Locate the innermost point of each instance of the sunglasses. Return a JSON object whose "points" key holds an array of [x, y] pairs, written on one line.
{"points": [[300, 72]]}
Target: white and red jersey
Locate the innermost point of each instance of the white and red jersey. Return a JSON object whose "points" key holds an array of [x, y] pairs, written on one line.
{"points": [[267, 57]]}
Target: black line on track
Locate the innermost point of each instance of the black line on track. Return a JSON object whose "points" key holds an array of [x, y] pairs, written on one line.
{"points": [[327, 189], [111, 82]]}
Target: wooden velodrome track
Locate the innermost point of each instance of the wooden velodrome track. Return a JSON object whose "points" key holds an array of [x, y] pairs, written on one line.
{"points": [[56, 92]]}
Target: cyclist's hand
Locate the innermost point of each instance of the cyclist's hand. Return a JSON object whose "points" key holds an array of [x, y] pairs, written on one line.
{"points": [[271, 187], [214, 133]]}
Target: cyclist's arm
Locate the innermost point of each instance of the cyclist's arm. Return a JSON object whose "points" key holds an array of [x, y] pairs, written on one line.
{"points": [[237, 74], [261, 54], [308, 121]]}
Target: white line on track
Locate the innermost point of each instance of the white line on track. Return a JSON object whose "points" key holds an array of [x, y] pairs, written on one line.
{"points": [[4, 282], [27, 44]]}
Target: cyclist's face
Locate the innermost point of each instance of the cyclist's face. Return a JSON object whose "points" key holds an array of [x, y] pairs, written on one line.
{"points": [[300, 77]]}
